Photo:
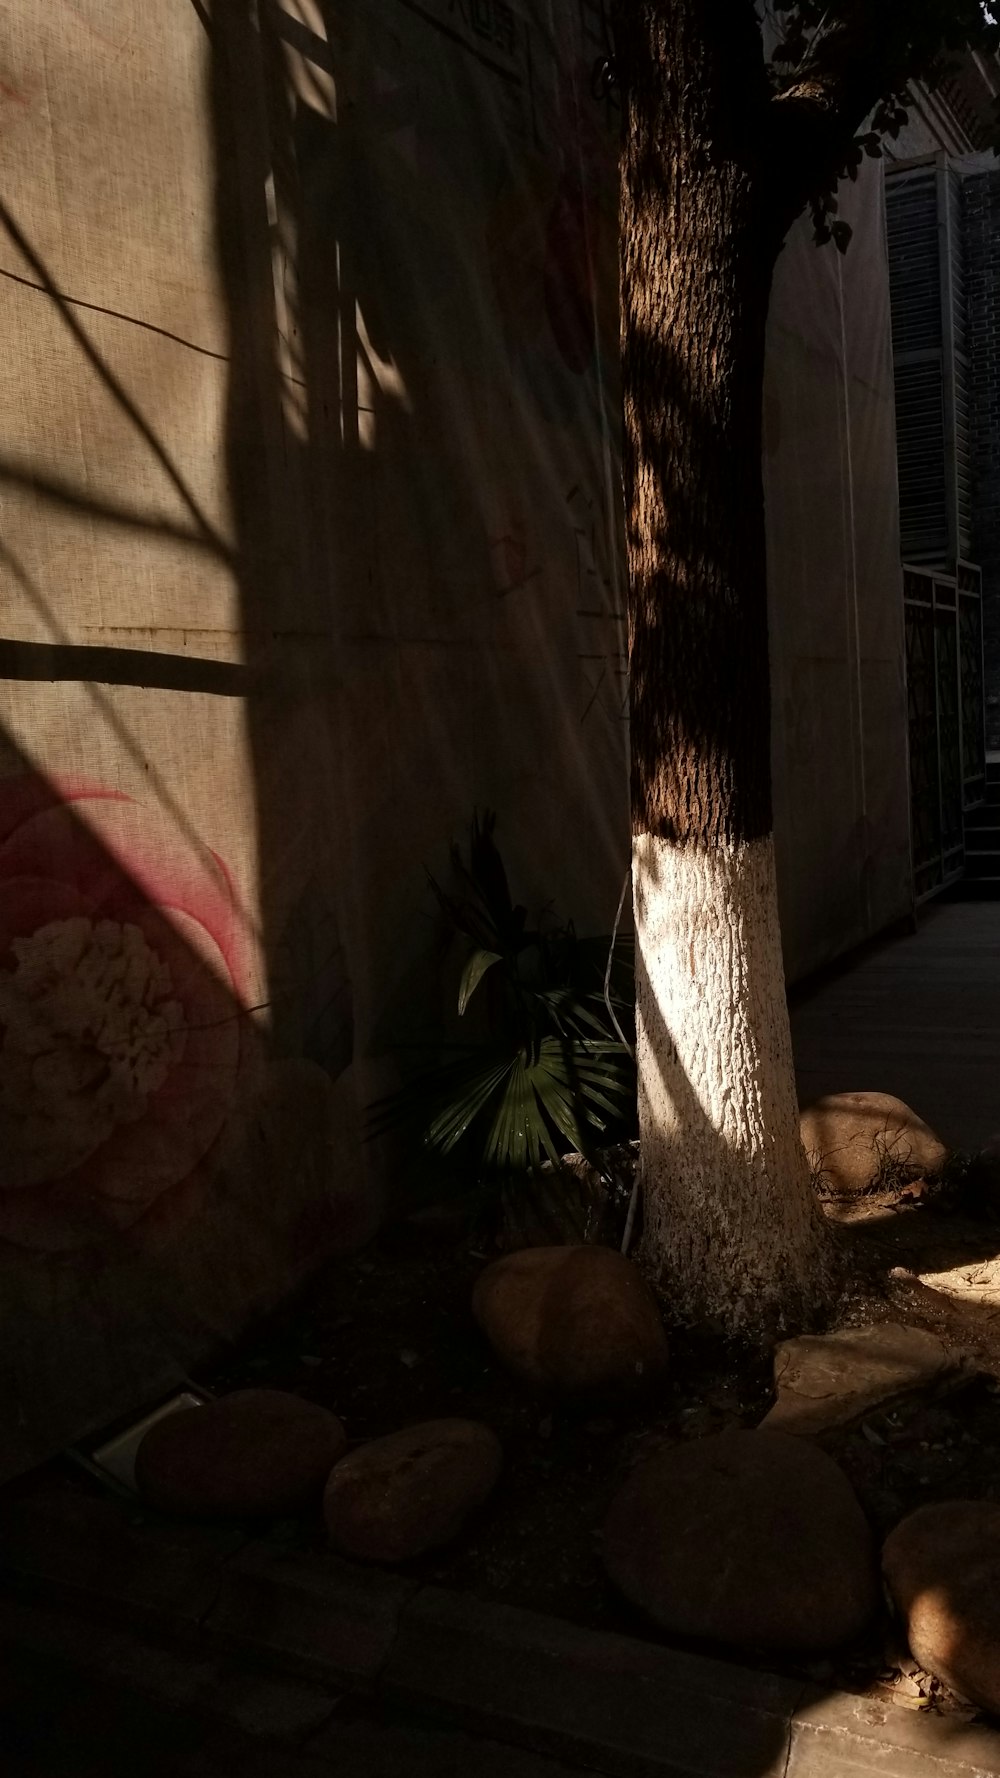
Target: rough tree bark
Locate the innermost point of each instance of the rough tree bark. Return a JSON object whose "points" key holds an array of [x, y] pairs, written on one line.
{"points": [[731, 1224]]}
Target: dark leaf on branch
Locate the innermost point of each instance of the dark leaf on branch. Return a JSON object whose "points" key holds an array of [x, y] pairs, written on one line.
{"points": [[473, 973]]}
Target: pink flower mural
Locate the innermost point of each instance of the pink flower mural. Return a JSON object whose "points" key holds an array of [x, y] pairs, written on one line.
{"points": [[121, 991]]}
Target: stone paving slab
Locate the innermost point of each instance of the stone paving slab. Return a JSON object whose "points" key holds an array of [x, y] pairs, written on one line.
{"points": [[198, 1682], [312, 1614], [86, 1548], [57, 1723], [61, 1719], [838, 1736], [831, 1380], [627, 1707], [403, 1749], [918, 1017], [210, 1628]]}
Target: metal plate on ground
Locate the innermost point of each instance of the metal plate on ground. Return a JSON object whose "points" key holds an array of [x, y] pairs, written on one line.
{"points": [[116, 1457]]}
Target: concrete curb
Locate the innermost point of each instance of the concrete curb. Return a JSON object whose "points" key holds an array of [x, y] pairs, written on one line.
{"points": [[325, 1620], [627, 1707], [270, 1639]]}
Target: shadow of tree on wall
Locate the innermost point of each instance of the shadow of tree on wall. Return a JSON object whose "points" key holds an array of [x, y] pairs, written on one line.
{"points": [[387, 620], [170, 1168], [198, 1215]]}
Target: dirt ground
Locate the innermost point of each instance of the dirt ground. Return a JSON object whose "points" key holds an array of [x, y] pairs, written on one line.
{"points": [[387, 1339]]}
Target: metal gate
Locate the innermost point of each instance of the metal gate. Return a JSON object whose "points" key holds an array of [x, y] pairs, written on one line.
{"points": [[944, 682]]}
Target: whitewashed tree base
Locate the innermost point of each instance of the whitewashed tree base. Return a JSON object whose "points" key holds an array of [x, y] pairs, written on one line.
{"points": [[731, 1226]]}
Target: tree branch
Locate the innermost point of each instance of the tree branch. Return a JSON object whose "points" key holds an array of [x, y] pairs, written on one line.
{"points": [[860, 56], [854, 63]]}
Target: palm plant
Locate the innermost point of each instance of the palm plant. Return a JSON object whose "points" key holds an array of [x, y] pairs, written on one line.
{"points": [[551, 1071]]}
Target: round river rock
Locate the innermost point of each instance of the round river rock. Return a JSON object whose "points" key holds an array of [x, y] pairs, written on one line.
{"points": [[753, 1539], [942, 1569], [394, 1498], [855, 1140], [257, 1453], [572, 1320]]}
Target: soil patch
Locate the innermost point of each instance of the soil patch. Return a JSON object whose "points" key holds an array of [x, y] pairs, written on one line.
{"points": [[390, 1338], [387, 1339]]}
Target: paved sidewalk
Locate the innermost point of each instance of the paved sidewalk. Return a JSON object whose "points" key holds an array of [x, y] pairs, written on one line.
{"points": [[918, 1017], [133, 1645], [57, 1722]]}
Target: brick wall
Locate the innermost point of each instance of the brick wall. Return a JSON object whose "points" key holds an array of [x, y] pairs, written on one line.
{"points": [[981, 227]]}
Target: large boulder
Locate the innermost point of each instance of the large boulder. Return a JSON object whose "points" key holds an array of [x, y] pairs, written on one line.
{"points": [[942, 1568], [746, 1538], [258, 1453], [854, 1141], [572, 1320], [396, 1497]]}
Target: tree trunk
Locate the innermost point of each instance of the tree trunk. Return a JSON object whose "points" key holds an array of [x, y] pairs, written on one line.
{"points": [[731, 1225]]}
